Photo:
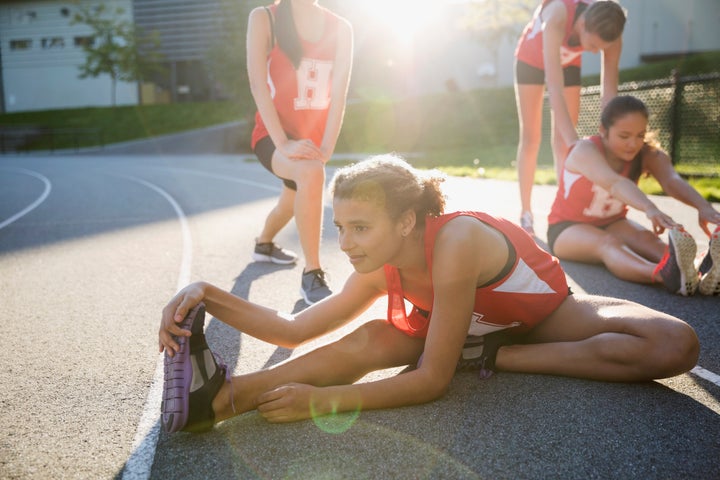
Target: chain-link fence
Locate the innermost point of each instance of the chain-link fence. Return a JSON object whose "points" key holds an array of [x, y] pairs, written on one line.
{"points": [[684, 115]]}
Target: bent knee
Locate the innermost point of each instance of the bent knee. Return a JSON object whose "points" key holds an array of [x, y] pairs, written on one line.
{"points": [[679, 351]]}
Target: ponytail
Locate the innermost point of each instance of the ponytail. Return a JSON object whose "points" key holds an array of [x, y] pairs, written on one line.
{"points": [[287, 36]]}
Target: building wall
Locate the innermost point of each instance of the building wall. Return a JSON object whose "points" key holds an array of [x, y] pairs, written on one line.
{"points": [[662, 27], [38, 72], [187, 29], [653, 28], [41, 55]]}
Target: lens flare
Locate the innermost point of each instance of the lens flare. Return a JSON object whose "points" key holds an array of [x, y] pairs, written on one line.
{"points": [[334, 422]]}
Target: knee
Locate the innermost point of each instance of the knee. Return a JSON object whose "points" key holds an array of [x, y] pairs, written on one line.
{"points": [[366, 335], [609, 243], [529, 141], [680, 350], [310, 173]]}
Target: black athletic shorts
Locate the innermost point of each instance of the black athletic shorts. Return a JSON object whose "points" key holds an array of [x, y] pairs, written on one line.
{"points": [[528, 75], [264, 150], [554, 231]]}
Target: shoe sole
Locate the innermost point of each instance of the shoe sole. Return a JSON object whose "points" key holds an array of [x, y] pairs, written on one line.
{"points": [[258, 257], [710, 284], [685, 251], [175, 405], [305, 297]]}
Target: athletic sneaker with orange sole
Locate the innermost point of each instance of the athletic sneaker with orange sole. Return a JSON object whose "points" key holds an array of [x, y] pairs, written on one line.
{"points": [[710, 267], [677, 267]]}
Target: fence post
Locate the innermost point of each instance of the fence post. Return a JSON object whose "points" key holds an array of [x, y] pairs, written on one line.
{"points": [[677, 87]]}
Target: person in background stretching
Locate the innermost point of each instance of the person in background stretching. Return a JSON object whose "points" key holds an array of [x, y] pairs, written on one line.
{"points": [[484, 296], [299, 57], [549, 52], [587, 221]]}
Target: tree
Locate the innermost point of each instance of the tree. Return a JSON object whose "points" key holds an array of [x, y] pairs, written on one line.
{"points": [[494, 20], [226, 58], [115, 47]]}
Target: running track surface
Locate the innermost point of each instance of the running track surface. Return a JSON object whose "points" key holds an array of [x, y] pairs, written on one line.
{"points": [[92, 247]]}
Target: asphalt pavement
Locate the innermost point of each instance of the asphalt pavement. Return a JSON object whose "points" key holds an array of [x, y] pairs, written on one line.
{"points": [[92, 246]]}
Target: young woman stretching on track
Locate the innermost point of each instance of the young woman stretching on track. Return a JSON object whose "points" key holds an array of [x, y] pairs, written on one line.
{"points": [[549, 52], [299, 57], [484, 295], [587, 222]]}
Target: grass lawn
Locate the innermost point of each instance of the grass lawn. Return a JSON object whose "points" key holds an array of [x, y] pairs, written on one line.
{"points": [[466, 134]]}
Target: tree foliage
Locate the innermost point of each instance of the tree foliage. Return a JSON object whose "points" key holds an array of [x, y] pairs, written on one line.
{"points": [[492, 21], [227, 58], [116, 48]]}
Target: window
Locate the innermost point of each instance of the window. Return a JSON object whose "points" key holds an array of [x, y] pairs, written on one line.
{"points": [[86, 41], [24, 17], [21, 44], [52, 42]]}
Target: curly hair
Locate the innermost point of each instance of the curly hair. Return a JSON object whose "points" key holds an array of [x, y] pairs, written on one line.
{"points": [[392, 184]]}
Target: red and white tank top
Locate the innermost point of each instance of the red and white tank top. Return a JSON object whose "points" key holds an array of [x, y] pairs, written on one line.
{"points": [[579, 200], [534, 286], [530, 46], [302, 96]]}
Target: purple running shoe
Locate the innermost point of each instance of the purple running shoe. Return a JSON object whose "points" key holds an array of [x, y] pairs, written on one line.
{"points": [[178, 374], [193, 377]]}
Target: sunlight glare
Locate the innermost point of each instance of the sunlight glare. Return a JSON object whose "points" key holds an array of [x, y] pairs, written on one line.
{"points": [[405, 18]]}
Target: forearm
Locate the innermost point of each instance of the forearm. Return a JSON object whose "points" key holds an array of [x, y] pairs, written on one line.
{"points": [[268, 113], [681, 190], [340, 85], [398, 391], [561, 115], [260, 322], [332, 129], [629, 193], [609, 75]]}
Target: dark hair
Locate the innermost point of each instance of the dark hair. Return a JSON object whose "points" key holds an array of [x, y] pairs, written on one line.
{"points": [[393, 184], [618, 107], [286, 33], [606, 19]]}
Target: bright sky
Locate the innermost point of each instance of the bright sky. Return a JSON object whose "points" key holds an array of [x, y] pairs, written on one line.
{"points": [[406, 18]]}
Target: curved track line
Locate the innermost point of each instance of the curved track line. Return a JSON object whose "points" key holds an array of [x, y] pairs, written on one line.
{"points": [[33, 205], [139, 464], [227, 178]]}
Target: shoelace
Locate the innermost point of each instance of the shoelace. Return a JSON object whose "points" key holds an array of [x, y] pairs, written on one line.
{"points": [[319, 277]]}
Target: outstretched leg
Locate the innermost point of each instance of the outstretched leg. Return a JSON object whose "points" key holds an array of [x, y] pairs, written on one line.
{"points": [[375, 345], [607, 339], [589, 244]]}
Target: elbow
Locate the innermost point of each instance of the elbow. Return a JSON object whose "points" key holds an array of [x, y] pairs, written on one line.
{"points": [[438, 391], [435, 386]]}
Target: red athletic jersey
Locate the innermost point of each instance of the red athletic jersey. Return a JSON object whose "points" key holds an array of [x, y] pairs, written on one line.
{"points": [[532, 289], [302, 96], [530, 46], [579, 200]]}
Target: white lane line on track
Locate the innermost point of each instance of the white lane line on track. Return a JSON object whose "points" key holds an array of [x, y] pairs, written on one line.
{"points": [[141, 459], [706, 374], [264, 186], [33, 205]]}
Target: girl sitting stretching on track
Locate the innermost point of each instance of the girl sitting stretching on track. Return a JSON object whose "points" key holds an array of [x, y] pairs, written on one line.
{"points": [[484, 295], [587, 221]]}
